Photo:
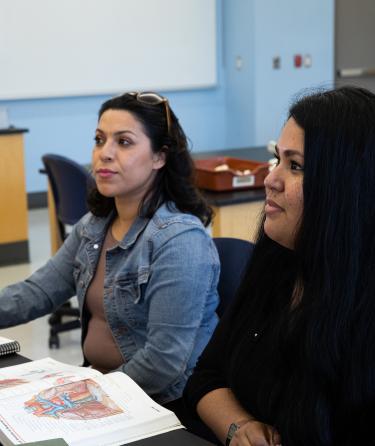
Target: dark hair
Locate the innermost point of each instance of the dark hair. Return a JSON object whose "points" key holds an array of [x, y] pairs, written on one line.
{"points": [[174, 182], [329, 336]]}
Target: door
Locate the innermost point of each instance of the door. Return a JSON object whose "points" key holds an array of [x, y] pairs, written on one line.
{"points": [[355, 43]]}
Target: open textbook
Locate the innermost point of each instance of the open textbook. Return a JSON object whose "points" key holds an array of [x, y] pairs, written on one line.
{"points": [[46, 399]]}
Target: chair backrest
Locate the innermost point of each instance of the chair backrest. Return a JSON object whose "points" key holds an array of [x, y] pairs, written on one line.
{"points": [[234, 255], [69, 182]]}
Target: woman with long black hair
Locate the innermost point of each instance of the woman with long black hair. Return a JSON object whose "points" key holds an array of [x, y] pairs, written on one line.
{"points": [[293, 360]]}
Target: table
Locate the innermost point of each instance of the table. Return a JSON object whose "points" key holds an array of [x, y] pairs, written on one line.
{"points": [[179, 437], [237, 212], [14, 245]]}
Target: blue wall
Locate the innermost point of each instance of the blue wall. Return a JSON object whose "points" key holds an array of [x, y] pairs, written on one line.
{"points": [[239, 41], [304, 27], [257, 30], [245, 109]]}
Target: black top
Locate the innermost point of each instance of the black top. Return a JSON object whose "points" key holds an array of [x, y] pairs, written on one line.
{"points": [[253, 350], [245, 358], [259, 351]]}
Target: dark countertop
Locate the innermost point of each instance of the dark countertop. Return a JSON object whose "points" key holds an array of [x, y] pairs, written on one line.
{"points": [[236, 196], [12, 130], [247, 153]]}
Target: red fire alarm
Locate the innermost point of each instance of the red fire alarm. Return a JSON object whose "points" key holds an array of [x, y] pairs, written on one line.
{"points": [[298, 60]]}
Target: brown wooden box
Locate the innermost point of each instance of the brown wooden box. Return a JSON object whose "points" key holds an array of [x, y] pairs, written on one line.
{"points": [[225, 174]]}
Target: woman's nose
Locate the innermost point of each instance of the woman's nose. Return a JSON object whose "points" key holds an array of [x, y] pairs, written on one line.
{"points": [[274, 179], [107, 151]]}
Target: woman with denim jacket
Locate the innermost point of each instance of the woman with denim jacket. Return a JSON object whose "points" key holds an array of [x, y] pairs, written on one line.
{"points": [[141, 263]]}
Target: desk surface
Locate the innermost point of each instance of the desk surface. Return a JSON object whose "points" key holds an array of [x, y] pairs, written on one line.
{"points": [[233, 197], [178, 437], [12, 130], [247, 153], [14, 359]]}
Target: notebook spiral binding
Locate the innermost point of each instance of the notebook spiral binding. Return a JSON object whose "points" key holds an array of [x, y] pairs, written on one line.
{"points": [[9, 347]]}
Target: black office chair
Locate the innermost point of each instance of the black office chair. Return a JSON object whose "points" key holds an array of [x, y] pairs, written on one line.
{"points": [[234, 255], [69, 182]]}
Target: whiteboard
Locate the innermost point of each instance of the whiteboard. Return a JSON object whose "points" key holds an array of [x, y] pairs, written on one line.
{"points": [[51, 48]]}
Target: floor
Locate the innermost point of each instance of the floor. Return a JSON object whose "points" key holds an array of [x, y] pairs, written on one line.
{"points": [[33, 336]]}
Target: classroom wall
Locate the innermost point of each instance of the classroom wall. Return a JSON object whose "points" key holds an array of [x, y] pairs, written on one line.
{"points": [[239, 68], [287, 29], [256, 31], [244, 109]]}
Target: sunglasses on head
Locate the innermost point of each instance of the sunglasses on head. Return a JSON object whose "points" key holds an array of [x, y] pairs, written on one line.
{"points": [[150, 98]]}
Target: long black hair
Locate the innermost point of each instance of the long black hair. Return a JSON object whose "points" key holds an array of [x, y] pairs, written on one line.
{"points": [[174, 182], [328, 338]]}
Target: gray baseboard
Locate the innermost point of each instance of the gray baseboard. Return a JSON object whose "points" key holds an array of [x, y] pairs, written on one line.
{"points": [[14, 253], [36, 200]]}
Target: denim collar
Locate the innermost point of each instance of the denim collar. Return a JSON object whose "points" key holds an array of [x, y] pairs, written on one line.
{"points": [[97, 227]]}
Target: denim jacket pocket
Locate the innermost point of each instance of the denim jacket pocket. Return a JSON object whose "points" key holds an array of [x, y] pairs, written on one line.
{"points": [[129, 292]]}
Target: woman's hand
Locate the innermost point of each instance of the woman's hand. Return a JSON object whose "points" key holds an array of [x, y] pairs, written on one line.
{"points": [[220, 408], [254, 433]]}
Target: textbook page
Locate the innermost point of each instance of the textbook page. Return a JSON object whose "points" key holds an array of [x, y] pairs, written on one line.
{"points": [[46, 399]]}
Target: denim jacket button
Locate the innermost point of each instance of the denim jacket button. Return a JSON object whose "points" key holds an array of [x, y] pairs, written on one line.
{"points": [[96, 246]]}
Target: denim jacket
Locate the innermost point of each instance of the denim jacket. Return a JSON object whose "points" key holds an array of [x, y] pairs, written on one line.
{"points": [[160, 293]]}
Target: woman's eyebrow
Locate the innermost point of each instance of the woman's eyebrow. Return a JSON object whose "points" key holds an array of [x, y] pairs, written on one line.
{"points": [[119, 132], [288, 152]]}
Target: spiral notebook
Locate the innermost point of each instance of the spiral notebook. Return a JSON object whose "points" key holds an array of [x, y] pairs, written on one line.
{"points": [[8, 346]]}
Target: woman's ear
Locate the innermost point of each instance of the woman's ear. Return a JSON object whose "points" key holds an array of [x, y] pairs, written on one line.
{"points": [[160, 158]]}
